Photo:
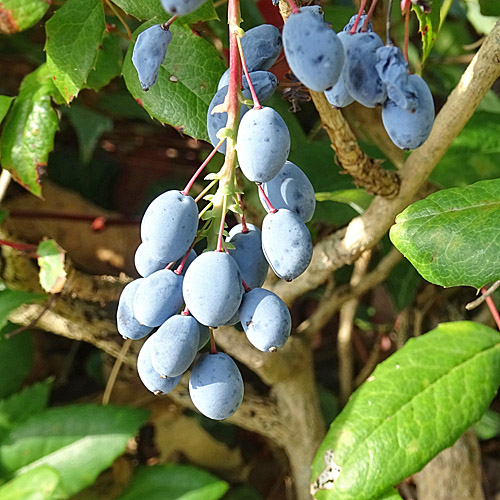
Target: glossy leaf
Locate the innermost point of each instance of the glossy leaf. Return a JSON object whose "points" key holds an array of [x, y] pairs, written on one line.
{"points": [[174, 482], [187, 81], [74, 36], [18, 15], [28, 132], [450, 236], [79, 441], [108, 64], [428, 26], [5, 103], [51, 262], [37, 484], [416, 403]]}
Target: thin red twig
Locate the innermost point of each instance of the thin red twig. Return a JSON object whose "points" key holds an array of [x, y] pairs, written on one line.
{"points": [[492, 307]]}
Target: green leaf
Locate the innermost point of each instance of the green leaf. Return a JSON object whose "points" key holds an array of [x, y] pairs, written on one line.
{"points": [[428, 26], [18, 15], [473, 155], [5, 103], [357, 199], [489, 8], [21, 405], [51, 261], [79, 441], [482, 24], [174, 482], [37, 484], [451, 237], [489, 426], [187, 81], [10, 300], [147, 10], [89, 126], [416, 403], [74, 36], [392, 494], [28, 133], [16, 359], [108, 65]]}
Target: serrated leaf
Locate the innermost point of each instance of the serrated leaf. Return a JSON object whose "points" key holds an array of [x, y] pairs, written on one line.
{"points": [[450, 236], [18, 15], [5, 103], [147, 10], [16, 359], [108, 64], [51, 262], [74, 35], [357, 199], [10, 300], [428, 26], [78, 441], [22, 405], [187, 81], [416, 403], [89, 126], [28, 132], [37, 484], [174, 482]]}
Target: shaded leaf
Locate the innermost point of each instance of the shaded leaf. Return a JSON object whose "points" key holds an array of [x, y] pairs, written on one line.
{"points": [[28, 132], [416, 403], [451, 237], [37, 484], [489, 425], [10, 300], [5, 103], [489, 8], [108, 64], [74, 36], [79, 441], [357, 199], [187, 81], [18, 15], [51, 262], [428, 26], [174, 482]]}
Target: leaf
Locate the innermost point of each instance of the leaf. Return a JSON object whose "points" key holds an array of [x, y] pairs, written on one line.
{"points": [[10, 300], [473, 155], [37, 484], [16, 359], [182, 101], [28, 133], [428, 26], [488, 427], [357, 199], [89, 126], [74, 36], [450, 236], [489, 8], [174, 482], [392, 494], [108, 65], [51, 261], [482, 24], [18, 15], [79, 441], [416, 403], [5, 103], [21, 405], [147, 10]]}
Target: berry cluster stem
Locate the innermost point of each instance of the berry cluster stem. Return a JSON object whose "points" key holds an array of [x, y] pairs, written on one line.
{"points": [[272, 210], [360, 12], [369, 15], [255, 99]]}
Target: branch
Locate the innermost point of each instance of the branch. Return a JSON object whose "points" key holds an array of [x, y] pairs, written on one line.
{"points": [[362, 233]]}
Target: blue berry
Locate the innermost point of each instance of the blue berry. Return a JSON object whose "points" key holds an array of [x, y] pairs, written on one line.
{"points": [[149, 53], [204, 336], [265, 319], [216, 386], [263, 82], [261, 47], [181, 7], [127, 324], [351, 22]]}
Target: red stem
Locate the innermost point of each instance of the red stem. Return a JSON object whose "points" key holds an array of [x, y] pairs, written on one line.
{"points": [[72, 217], [293, 6], [369, 15], [244, 227], [166, 25], [185, 312], [189, 185], [272, 210], [255, 99], [245, 286], [407, 34], [493, 308], [22, 247], [213, 349], [360, 12]]}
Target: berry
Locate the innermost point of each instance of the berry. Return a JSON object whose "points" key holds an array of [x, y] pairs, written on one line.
{"points": [[127, 325], [261, 47], [263, 82], [204, 335]]}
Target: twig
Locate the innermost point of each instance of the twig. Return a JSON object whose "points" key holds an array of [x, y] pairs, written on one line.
{"points": [[475, 303], [114, 372], [35, 320]]}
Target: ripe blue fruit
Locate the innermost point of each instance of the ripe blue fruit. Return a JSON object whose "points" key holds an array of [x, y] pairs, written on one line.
{"points": [[410, 130], [248, 255], [149, 53], [263, 82], [149, 377], [127, 325], [174, 345], [263, 144], [265, 319], [291, 189], [181, 7], [360, 76], [169, 226], [216, 386], [212, 288], [204, 336], [158, 297], [313, 51], [146, 265], [351, 22], [286, 243], [393, 71], [261, 47]]}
